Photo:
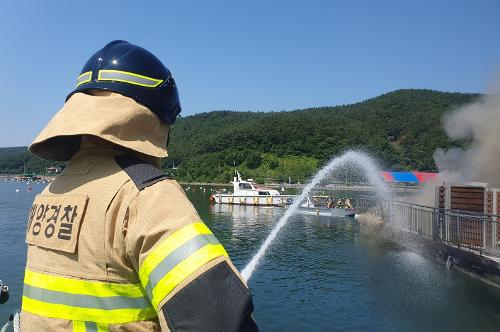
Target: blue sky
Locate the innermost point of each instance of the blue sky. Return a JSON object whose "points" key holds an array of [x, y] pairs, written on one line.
{"points": [[247, 55]]}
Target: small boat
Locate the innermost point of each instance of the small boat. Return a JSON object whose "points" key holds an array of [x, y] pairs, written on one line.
{"points": [[4, 292], [327, 210], [249, 193]]}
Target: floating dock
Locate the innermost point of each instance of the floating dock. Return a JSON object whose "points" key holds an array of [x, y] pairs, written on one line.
{"points": [[461, 229]]}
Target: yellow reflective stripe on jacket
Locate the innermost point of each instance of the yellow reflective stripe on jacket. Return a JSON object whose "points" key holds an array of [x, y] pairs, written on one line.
{"points": [[83, 287], [164, 248], [177, 257], [184, 270], [81, 300]]}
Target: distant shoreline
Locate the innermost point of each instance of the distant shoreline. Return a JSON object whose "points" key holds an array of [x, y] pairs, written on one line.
{"points": [[335, 186]]}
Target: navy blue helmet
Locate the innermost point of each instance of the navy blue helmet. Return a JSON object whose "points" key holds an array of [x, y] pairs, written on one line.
{"points": [[133, 72]]}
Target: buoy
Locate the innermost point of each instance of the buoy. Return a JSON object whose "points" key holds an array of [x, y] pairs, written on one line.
{"points": [[17, 190]]}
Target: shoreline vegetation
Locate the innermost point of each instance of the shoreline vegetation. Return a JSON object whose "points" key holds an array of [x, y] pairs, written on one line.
{"points": [[400, 129], [360, 187]]}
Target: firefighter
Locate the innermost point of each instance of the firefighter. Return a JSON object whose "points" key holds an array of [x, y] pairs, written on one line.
{"points": [[114, 244], [330, 203], [348, 203], [340, 203]]}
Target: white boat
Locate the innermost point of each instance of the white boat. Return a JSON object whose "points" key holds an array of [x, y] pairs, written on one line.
{"points": [[318, 210], [249, 193]]}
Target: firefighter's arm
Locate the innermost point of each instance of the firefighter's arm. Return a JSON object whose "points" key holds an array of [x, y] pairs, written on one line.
{"points": [[185, 271]]}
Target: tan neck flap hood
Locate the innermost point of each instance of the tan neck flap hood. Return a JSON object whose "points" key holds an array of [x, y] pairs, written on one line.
{"points": [[110, 116]]}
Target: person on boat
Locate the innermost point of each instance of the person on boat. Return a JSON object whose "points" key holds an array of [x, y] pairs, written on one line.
{"points": [[4, 293], [114, 244], [330, 204], [348, 203]]}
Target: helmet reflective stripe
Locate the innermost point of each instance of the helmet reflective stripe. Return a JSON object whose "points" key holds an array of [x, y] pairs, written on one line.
{"points": [[83, 300], [127, 77], [84, 78]]}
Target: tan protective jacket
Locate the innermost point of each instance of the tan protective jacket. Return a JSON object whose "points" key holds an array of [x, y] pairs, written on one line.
{"points": [[115, 246]]}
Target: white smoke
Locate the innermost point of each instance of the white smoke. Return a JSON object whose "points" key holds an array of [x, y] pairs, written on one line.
{"points": [[479, 124]]}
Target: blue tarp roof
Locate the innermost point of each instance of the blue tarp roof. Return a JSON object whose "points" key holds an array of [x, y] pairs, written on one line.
{"points": [[407, 177]]}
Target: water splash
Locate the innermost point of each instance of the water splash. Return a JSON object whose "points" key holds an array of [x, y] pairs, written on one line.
{"points": [[362, 160]]}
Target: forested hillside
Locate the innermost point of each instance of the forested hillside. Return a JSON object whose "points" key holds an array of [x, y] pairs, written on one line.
{"points": [[402, 129], [17, 160]]}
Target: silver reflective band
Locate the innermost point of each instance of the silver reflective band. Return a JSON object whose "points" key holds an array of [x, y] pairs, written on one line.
{"points": [[177, 256], [85, 301], [90, 327], [126, 77], [84, 78]]}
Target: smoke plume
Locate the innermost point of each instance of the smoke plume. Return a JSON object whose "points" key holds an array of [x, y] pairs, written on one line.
{"points": [[479, 123]]}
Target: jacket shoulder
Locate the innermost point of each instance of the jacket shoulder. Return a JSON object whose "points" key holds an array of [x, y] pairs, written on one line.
{"points": [[141, 173]]}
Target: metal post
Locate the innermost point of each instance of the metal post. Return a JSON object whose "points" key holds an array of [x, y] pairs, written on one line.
{"points": [[419, 221], [485, 219], [494, 221]]}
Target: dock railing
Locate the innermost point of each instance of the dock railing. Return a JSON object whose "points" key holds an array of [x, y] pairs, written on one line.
{"points": [[466, 230]]}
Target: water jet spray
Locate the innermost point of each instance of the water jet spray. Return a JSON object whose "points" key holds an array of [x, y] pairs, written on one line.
{"points": [[361, 159]]}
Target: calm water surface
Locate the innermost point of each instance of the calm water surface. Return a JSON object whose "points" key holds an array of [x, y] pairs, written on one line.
{"points": [[321, 274]]}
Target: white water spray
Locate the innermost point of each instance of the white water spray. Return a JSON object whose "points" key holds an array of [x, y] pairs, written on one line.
{"points": [[360, 159]]}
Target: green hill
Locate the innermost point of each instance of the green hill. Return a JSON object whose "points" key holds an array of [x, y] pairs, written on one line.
{"points": [[16, 160], [401, 128]]}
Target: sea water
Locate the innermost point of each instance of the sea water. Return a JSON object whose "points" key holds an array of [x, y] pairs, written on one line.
{"points": [[322, 274]]}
